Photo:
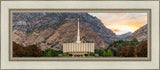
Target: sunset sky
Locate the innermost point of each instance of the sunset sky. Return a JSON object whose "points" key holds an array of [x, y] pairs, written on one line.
{"points": [[121, 23]]}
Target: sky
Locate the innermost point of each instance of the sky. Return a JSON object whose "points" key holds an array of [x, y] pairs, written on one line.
{"points": [[121, 23]]}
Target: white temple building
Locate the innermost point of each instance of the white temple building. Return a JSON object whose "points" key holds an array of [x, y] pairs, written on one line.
{"points": [[78, 49]]}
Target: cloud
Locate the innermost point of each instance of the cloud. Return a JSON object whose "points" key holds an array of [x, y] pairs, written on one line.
{"points": [[116, 30], [121, 23]]}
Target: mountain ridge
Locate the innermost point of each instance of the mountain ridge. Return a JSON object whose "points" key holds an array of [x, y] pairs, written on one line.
{"points": [[140, 34], [124, 36], [41, 28]]}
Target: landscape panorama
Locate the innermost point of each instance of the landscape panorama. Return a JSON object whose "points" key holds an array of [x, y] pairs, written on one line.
{"points": [[79, 35]]}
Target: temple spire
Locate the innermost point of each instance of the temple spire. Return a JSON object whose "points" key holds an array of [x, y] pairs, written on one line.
{"points": [[78, 34]]}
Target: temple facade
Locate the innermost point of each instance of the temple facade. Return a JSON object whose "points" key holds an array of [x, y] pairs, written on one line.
{"points": [[78, 49]]}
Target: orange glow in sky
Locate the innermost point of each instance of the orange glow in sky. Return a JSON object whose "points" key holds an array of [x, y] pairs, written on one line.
{"points": [[121, 23]]}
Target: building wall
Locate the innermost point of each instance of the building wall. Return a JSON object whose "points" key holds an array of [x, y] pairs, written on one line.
{"points": [[78, 47]]}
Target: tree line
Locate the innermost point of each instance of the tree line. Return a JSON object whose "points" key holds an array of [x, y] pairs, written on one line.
{"points": [[33, 51], [116, 49], [131, 48]]}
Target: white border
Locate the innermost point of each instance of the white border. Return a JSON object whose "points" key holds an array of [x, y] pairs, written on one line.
{"points": [[153, 64]]}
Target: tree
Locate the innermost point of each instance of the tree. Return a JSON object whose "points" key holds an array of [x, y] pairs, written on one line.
{"points": [[34, 51], [18, 50], [105, 54], [29, 51], [141, 50], [101, 52], [45, 52], [109, 53], [127, 51], [52, 53], [135, 40], [60, 51], [117, 46], [96, 50]]}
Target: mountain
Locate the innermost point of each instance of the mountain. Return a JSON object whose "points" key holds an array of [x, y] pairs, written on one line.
{"points": [[140, 34], [51, 30], [124, 36], [67, 33]]}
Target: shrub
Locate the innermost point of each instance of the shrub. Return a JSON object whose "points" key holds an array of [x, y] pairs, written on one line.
{"points": [[65, 54], [91, 54]]}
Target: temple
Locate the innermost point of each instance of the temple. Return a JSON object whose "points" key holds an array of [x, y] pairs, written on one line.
{"points": [[78, 49]]}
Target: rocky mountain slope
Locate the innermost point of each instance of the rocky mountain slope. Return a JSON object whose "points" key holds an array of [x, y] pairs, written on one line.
{"points": [[65, 34], [140, 34], [124, 36], [50, 30]]}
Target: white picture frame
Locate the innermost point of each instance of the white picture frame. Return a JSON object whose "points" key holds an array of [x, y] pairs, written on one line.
{"points": [[152, 64]]}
